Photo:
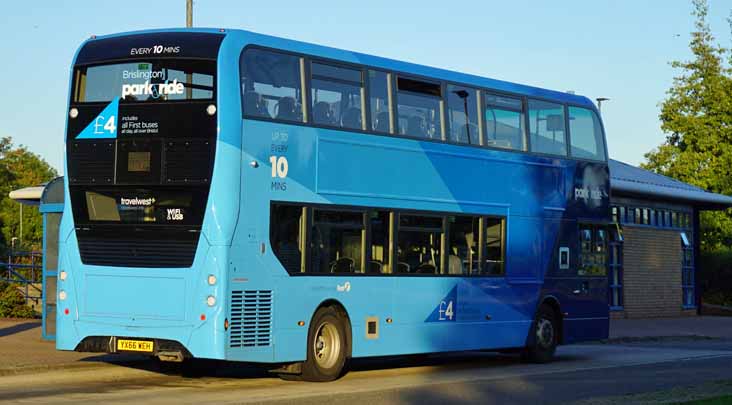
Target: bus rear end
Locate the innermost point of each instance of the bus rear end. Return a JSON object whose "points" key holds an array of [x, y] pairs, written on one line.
{"points": [[141, 267]]}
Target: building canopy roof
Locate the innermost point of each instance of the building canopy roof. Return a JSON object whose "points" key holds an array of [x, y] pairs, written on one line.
{"points": [[28, 195], [633, 181], [46, 193]]}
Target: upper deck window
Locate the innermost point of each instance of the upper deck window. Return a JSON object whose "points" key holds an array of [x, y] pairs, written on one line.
{"points": [[462, 114], [271, 85], [546, 121], [418, 108], [146, 81], [504, 122], [379, 101], [585, 134], [337, 94]]}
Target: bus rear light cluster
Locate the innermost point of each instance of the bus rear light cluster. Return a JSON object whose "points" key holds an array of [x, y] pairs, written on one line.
{"points": [[62, 295], [211, 300], [62, 275], [211, 109], [211, 279]]}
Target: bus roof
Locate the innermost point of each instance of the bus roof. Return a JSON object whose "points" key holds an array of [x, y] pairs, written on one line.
{"points": [[248, 37]]}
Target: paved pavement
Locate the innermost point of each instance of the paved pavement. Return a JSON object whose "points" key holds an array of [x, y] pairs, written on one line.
{"points": [[23, 350], [704, 326]]}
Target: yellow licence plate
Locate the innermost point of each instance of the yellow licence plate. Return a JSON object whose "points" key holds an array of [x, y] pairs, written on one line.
{"points": [[135, 345]]}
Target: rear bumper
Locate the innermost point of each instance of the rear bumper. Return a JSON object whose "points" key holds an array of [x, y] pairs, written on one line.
{"points": [[108, 344], [201, 342]]}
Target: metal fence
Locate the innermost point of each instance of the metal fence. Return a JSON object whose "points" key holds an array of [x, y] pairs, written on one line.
{"points": [[24, 269]]}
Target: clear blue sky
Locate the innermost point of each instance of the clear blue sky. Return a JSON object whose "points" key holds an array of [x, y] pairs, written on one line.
{"points": [[617, 49]]}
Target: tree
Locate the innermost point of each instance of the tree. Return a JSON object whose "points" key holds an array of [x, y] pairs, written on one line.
{"points": [[12, 303], [20, 168], [697, 118]]}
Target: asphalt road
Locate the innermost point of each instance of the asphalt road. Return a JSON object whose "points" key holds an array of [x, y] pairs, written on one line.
{"points": [[580, 372]]}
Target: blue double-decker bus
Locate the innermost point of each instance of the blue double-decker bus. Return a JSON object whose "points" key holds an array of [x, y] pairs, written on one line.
{"points": [[250, 198]]}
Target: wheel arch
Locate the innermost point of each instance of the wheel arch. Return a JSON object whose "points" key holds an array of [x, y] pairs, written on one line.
{"points": [[332, 302], [553, 302]]}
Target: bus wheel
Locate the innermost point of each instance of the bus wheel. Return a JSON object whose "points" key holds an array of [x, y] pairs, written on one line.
{"points": [[544, 337], [326, 350]]}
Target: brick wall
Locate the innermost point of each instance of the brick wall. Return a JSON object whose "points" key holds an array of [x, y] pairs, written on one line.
{"points": [[652, 278]]}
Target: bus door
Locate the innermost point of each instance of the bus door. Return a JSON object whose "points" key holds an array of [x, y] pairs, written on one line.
{"points": [[589, 292]]}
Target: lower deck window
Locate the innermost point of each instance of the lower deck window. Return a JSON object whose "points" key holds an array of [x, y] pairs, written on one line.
{"points": [[419, 244], [336, 242], [351, 241], [285, 236], [463, 247]]}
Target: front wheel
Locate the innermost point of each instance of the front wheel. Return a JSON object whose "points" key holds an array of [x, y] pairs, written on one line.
{"points": [[542, 342], [327, 346]]}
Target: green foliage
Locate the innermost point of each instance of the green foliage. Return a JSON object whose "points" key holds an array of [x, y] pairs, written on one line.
{"points": [[20, 168], [715, 276], [12, 304], [697, 118]]}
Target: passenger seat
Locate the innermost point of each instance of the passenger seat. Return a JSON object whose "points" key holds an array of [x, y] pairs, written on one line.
{"points": [[322, 114], [382, 122], [253, 105], [351, 118], [287, 109]]}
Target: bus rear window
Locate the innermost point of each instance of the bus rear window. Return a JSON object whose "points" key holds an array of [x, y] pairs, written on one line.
{"points": [[133, 205], [145, 81]]}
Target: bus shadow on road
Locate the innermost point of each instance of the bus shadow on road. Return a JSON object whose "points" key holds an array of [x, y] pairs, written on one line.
{"points": [[203, 368]]}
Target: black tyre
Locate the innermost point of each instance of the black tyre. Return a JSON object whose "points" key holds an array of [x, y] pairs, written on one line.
{"points": [[327, 346], [543, 338]]}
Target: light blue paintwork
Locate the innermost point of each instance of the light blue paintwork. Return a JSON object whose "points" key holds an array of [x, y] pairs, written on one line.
{"points": [[535, 193]]}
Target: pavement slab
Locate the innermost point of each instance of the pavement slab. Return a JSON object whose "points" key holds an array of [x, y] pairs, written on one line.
{"points": [[23, 350]]}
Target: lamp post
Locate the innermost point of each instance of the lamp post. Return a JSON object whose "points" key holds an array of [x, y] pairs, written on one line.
{"points": [[189, 13], [599, 103]]}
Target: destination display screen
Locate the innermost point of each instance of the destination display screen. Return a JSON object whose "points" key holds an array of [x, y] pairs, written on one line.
{"points": [[149, 80]]}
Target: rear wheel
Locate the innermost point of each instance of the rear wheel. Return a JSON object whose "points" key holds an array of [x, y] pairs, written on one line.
{"points": [[327, 346], [544, 336]]}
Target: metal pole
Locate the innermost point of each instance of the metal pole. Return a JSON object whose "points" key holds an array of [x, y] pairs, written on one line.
{"points": [[189, 24], [189, 13], [599, 103], [21, 225]]}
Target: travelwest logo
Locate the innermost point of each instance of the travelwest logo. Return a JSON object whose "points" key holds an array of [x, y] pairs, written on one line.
{"points": [[137, 202], [152, 90]]}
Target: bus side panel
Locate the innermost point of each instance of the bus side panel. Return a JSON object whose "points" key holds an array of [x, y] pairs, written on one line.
{"points": [[498, 314]]}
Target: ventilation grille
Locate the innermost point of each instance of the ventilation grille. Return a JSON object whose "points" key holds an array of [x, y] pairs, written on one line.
{"points": [[251, 318], [137, 253]]}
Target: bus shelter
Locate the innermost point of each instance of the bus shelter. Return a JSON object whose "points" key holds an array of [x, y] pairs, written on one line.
{"points": [[50, 200]]}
